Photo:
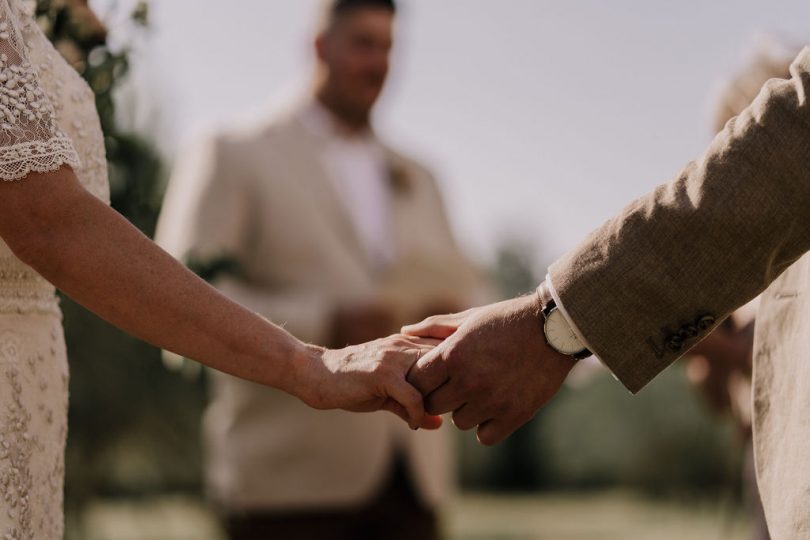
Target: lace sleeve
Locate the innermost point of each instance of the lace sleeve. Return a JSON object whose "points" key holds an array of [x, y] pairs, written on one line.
{"points": [[30, 140]]}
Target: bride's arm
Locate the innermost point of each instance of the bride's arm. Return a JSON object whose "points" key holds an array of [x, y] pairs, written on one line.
{"points": [[96, 257]]}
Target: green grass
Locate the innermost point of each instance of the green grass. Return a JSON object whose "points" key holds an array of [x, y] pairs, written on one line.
{"points": [[603, 516]]}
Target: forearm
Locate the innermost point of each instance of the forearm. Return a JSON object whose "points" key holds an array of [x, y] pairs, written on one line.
{"points": [[655, 280], [97, 258]]}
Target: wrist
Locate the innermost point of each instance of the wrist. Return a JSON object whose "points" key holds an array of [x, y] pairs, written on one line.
{"points": [[559, 331], [299, 378], [528, 306], [531, 308]]}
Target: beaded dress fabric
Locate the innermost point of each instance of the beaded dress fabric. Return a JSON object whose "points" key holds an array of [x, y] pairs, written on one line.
{"points": [[47, 119]]}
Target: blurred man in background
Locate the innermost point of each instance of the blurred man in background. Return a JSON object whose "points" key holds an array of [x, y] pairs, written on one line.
{"points": [[312, 221]]}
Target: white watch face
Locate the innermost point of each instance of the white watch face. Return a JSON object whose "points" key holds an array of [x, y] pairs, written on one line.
{"points": [[560, 335]]}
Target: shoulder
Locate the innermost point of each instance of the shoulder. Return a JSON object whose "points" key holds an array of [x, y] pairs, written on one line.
{"points": [[259, 133], [243, 142]]}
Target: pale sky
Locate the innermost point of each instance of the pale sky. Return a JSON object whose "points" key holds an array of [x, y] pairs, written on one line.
{"points": [[540, 118]]}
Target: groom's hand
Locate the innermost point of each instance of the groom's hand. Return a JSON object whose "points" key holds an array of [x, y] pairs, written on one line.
{"points": [[494, 370]]}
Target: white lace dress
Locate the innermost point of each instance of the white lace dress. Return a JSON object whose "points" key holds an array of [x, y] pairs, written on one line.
{"points": [[47, 119]]}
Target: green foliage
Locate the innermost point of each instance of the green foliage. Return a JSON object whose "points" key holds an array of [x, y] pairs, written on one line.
{"points": [[135, 168], [661, 440]]}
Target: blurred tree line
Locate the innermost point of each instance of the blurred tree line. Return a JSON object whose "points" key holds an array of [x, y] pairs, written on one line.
{"points": [[135, 426]]}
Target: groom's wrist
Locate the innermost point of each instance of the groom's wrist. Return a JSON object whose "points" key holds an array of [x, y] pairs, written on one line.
{"points": [[549, 300]]}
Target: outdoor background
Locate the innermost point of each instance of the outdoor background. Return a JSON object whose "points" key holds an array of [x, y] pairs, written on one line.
{"points": [[541, 119]]}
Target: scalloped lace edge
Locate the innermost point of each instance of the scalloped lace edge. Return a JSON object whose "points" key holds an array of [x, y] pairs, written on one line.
{"points": [[41, 157]]}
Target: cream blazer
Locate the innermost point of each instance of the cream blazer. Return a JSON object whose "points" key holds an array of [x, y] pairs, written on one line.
{"points": [[259, 198]]}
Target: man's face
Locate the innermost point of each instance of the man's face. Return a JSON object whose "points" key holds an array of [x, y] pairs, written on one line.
{"points": [[355, 53]]}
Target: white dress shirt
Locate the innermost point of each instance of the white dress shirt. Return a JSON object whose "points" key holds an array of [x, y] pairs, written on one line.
{"points": [[357, 166]]}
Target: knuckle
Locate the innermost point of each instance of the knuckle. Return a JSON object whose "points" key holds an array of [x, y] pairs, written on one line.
{"points": [[462, 424], [387, 343], [382, 370], [377, 365], [487, 438]]}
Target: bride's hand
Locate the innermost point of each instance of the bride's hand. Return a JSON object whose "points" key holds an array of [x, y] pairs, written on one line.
{"points": [[369, 377]]}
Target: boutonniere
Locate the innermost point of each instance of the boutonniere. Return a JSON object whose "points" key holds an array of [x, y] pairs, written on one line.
{"points": [[398, 176]]}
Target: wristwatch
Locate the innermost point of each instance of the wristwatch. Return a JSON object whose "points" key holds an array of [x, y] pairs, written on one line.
{"points": [[559, 334]]}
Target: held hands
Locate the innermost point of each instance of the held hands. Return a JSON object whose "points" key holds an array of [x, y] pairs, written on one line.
{"points": [[490, 366], [368, 377], [494, 369]]}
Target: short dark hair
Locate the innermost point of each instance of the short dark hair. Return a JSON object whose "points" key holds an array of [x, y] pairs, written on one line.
{"points": [[337, 8]]}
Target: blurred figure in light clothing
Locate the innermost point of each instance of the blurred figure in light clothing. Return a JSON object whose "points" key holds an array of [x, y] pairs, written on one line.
{"points": [[313, 221]]}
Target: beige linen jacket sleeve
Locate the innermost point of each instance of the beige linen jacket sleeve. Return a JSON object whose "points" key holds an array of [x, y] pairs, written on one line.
{"points": [[653, 281], [209, 217]]}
